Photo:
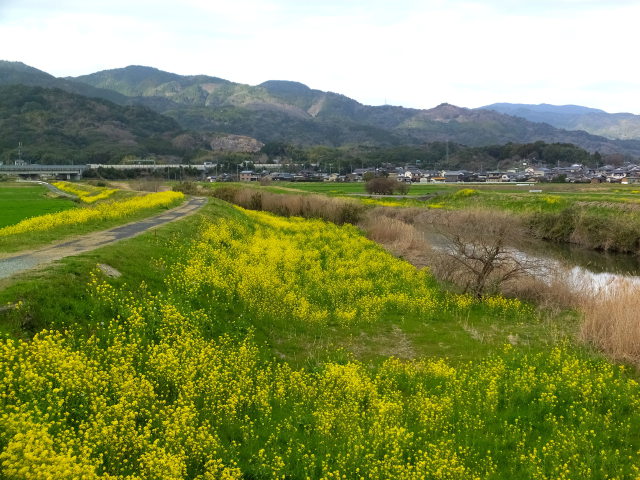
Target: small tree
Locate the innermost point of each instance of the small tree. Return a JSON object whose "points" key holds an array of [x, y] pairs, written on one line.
{"points": [[368, 176], [477, 253], [381, 186]]}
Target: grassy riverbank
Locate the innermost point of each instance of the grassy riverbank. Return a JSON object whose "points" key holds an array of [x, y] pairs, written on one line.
{"points": [[240, 344], [599, 217]]}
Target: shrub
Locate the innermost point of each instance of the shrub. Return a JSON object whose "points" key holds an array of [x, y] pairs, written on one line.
{"points": [[188, 188], [381, 186], [226, 193], [402, 188]]}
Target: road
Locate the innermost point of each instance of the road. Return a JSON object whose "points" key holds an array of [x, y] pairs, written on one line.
{"points": [[34, 258]]}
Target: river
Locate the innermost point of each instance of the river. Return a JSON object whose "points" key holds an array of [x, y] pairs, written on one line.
{"points": [[582, 268]]}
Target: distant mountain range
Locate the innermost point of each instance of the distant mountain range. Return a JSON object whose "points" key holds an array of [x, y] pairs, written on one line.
{"points": [[294, 113], [17, 73], [57, 126], [622, 126]]}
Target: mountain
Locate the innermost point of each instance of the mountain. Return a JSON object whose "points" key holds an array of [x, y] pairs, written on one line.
{"points": [[17, 73], [289, 111], [615, 126], [55, 126], [272, 111]]}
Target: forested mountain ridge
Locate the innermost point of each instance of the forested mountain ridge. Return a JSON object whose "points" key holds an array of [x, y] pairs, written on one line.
{"points": [[290, 111], [56, 126], [17, 73], [615, 126], [287, 111]]}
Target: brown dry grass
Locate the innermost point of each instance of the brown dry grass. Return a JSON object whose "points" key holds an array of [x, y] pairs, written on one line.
{"points": [[551, 293], [399, 237], [400, 232], [309, 206], [612, 320]]}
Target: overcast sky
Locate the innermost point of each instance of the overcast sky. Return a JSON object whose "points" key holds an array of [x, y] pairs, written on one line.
{"points": [[413, 53]]}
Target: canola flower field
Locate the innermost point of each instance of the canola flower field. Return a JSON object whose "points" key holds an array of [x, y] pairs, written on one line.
{"points": [[99, 212], [174, 384], [299, 270], [86, 193]]}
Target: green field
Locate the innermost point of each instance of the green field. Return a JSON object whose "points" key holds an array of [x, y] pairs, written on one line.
{"points": [[40, 228], [20, 201], [580, 191]]}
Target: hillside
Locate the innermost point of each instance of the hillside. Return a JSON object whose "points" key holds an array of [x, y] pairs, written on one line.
{"points": [[17, 73], [290, 111], [286, 111], [623, 126], [272, 111], [57, 126]]}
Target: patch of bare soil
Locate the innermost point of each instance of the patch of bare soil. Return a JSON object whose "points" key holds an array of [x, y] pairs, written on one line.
{"points": [[393, 343], [122, 185]]}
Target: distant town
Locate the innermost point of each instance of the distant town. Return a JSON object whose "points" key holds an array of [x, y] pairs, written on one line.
{"points": [[628, 173]]}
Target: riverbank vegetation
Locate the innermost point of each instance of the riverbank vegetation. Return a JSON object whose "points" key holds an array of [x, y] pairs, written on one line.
{"points": [[611, 322], [599, 217]]}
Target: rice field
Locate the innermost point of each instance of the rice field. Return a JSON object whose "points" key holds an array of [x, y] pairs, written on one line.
{"points": [[21, 201]]}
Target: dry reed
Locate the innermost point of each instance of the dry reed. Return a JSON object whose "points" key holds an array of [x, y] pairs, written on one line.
{"points": [[611, 320], [309, 206], [399, 237]]}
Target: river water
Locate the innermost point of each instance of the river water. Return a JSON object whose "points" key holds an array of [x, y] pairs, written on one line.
{"points": [[583, 269]]}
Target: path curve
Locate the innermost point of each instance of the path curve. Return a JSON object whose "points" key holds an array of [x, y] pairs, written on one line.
{"points": [[51, 188], [26, 261]]}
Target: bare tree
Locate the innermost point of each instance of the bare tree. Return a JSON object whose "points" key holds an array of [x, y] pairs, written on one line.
{"points": [[478, 251]]}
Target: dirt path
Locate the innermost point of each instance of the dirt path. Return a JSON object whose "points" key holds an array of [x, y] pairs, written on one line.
{"points": [[35, 258]]}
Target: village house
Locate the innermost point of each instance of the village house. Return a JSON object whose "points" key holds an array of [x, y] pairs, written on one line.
{"points": [[249, 176]]}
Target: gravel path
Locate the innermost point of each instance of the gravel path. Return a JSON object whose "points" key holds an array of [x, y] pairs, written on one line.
{"points": [[26, 261]]}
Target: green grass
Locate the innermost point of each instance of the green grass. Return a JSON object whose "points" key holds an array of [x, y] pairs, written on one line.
{"points": [[20, 201], [580, 191], [508, 196], [55, 297], [596, 217], [334, 188]]}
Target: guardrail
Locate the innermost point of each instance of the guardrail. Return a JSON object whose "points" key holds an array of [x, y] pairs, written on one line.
{"points": [[134, 166], [43, 168]]}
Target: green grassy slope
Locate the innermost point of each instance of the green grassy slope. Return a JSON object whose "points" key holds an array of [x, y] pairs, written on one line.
{"points": [[211, 357]]}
